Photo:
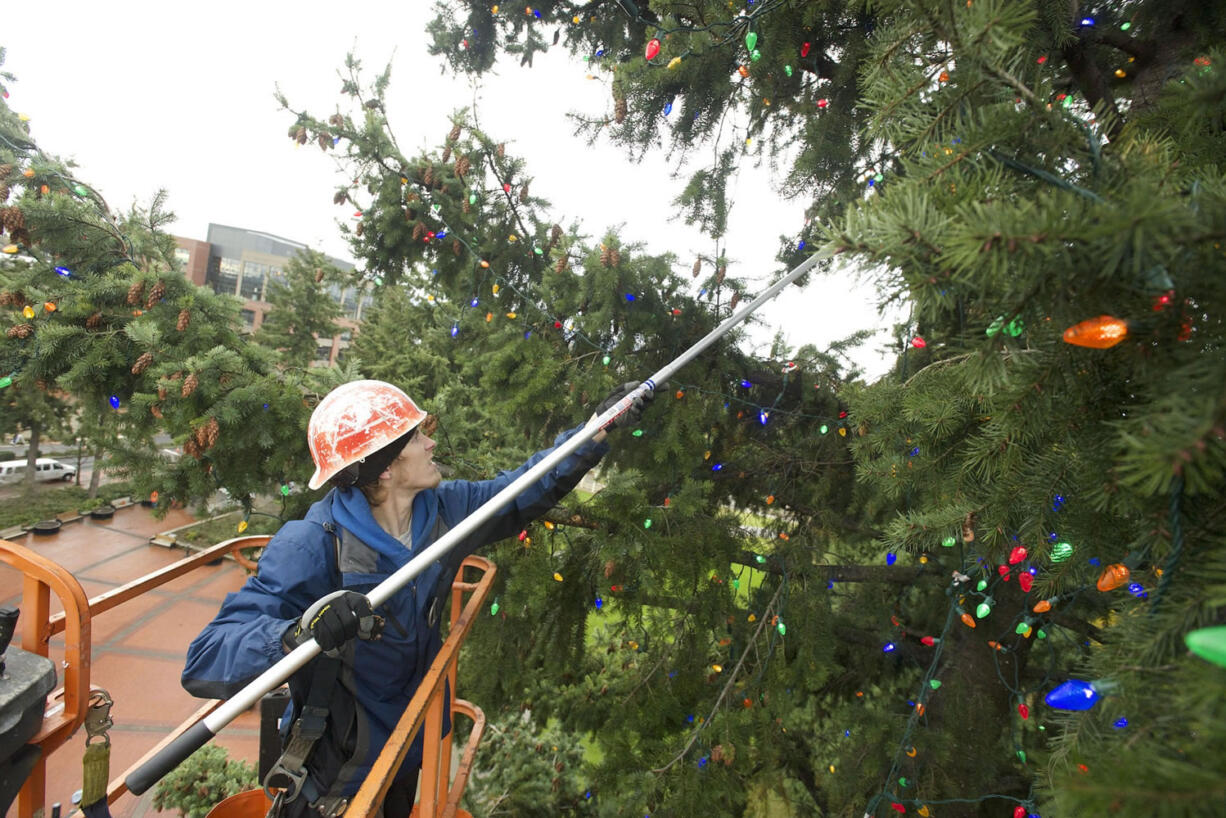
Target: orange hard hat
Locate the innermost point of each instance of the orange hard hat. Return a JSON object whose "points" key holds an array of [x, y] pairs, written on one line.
{"points": [[354, 421]]}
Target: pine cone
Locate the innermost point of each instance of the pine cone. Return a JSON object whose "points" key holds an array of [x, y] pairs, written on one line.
{"points": [[340, 197], [606, 256], [446, 154], [185, 318], [555, 235], [360, 229], [336, 120], [142, 363], [419, 230], [736, 299], [5, 170], [428, 177], [93, 321], [454, 134], [523, 193], [968, 528], [189, 385], [161, 393], [562, 265], [190, 447], [720, 273], [456, 247], [697, 267], [501, 150], [136, 292], [301, 136], [462, 166], [20, 331], [323, 141], [4, 192], [466, 207], [619, 111], [615, 258], [211, 432], [156, 411], [12, 220], [155, 295], [319, 275]]}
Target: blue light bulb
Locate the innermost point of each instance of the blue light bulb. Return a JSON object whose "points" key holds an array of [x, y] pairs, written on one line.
{"points": [[1074, 694], [891, 558], [114, 402]]}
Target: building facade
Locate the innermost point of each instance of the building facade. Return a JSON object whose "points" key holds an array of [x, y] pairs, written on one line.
{"points": [[244, 263]]}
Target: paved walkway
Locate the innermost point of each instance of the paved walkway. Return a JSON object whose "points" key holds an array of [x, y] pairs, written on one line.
{"points": [[139, 646]]}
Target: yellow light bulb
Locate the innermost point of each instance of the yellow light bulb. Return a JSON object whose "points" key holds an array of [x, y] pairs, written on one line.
{"points": [[557, 576]]}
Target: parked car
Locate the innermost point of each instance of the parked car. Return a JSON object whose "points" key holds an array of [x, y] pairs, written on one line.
{"points": [[13, 471]]}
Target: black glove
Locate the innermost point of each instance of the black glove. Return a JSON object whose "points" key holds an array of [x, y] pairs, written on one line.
{"points": [[633, 411], [334, 620]]}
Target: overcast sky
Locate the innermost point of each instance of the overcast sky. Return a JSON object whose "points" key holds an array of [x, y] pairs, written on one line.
{"points": [[180, 96]]}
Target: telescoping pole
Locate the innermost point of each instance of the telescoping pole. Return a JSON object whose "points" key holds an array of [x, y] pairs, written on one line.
{"points": [[195, 737]]}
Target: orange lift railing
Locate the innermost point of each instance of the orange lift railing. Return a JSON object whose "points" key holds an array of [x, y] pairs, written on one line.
{"points": [[439, 793]]}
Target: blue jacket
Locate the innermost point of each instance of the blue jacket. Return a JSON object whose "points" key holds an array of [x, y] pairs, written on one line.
{"points": [[299, 566]]}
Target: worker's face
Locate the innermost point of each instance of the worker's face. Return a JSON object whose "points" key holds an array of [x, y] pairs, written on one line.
{"points": [[414, 469]]}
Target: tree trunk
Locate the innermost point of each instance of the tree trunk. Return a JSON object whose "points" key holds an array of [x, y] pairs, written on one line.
{"points": [[95, 475], [27, 484]]}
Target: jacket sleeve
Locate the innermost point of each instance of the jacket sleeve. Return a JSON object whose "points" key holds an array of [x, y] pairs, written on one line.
{"points": [[459, 498], [244, 639]]}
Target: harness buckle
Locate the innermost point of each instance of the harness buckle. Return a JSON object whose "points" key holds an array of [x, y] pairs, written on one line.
{"points": [[98, 717]]}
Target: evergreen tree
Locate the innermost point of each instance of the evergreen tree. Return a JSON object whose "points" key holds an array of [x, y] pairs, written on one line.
{"points": [[302, 311], [103, 326], [1019, 168]]}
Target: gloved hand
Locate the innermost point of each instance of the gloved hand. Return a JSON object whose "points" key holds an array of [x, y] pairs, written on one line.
{"points": [[334, 620], [633, 411]]}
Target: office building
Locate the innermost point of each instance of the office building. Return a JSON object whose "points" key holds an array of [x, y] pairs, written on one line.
{"points": [[243, 263]]}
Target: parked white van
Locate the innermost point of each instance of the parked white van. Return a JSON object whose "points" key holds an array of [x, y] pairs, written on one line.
{"points": [[14, 471]]}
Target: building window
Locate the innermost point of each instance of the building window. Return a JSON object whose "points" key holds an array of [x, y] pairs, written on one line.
{"points": [[182, 257], [224, 276], [248, 320], [252, 285], [323, 352]]}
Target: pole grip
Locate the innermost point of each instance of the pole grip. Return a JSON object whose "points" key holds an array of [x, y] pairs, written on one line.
{"points": [[169, 757]]}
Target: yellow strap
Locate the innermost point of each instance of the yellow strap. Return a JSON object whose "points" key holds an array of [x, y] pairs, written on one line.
{"points": [[96, 772]]}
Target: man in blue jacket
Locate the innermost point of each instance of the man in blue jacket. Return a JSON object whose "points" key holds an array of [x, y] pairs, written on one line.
{"points": [[388, 504]]}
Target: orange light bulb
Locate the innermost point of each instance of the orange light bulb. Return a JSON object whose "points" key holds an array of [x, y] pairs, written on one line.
{"points": [[1102, 332], [1113, 576]]}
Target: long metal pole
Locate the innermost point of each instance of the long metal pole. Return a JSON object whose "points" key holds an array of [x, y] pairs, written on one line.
{"points": [[195, 737]]}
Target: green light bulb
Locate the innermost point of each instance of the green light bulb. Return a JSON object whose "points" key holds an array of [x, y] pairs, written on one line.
{"points": [[983, 610], [751, 39], [824, 428], [1061, 551], [1209, 644], [494, 608], [605, 360], [647, 523], [787, 69], [934, 683], [983, 583], [637, 433], [7, 380], [948, 542]]}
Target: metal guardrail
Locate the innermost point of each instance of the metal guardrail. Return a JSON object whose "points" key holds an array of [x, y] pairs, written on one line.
{"points": [[439, 793]]}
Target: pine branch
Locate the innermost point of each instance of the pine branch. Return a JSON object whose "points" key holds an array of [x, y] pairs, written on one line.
{"points": [[766, 616]]}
